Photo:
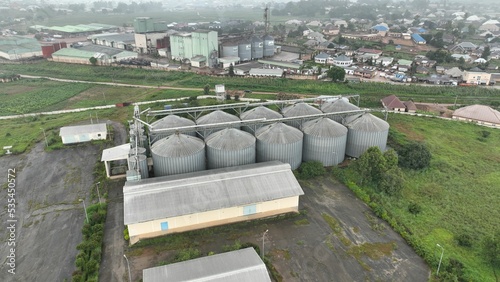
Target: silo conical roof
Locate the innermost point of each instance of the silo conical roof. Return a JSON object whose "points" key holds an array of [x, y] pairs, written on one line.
{"points": [[366, 122], [339, 105], [230, 139], [177, 145], [279, 133], [171, 121], [260, 112], [216, 117], [300, 109], [324, 127]]}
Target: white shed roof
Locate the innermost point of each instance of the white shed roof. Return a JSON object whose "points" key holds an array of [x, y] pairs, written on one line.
{"points": [[479, 113], [116, 153], [242, 265], [169, 196], [82, 129]]}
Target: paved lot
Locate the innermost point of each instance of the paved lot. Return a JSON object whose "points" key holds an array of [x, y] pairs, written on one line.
{"points": [[305, 248]]}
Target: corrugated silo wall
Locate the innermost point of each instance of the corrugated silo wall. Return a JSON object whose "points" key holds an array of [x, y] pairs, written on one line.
{"points": [[230, 51], [164, 166], [359, 141], [290, 153], [257, 50], [328, 150], [217, 158], [269, 48], [142, 164], [245, 52]]}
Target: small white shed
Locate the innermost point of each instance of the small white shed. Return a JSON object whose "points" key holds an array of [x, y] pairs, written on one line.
{"points": [[83, 133]]}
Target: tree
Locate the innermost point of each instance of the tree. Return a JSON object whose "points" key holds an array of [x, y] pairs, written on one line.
{"points": [[206, 89], [414, 155], [336, 73], [486, 52], [370, 166], [392, 181], [231, 70], [391, 158], [93, 61]]}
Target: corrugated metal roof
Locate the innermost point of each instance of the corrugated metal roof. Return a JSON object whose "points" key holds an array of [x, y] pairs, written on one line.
{"points": [[72, 52], [82, 129], [207, 190], [366, 122], [260, 112], [279, 133], [392, 102], [339, 105], [324, 127], [177, 145], [110, 51], [300, 109], [230, 139], [242, 265], [216, 117], [120, 152], [479, 113], [171, 121]]}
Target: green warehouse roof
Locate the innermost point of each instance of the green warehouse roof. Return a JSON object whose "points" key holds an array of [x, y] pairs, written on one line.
{"points": [[75, 53]]}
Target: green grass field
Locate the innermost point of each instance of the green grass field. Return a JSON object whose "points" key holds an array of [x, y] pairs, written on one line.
{"points": [[458, 194]]}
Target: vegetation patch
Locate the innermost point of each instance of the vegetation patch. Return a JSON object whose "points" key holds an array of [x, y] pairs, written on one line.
{"points": [[372, 250], [336, 229]]}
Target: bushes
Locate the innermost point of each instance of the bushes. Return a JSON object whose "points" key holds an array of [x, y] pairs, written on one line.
{"points": [[311, 169], [414, 155]]}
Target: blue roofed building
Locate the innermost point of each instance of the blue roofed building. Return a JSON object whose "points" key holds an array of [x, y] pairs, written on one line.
{"points": [[418, 39]]}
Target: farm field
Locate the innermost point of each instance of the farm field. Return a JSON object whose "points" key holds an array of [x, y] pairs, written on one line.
{"points": [[371, 92], [457, 195]]}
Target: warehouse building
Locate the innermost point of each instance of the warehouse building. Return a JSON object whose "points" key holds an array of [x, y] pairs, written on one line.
{"points": [[243, 265], [18, 47], [480, 114], [115, 40], [104, 55], [83, 133], [208, 198], [76, 30]]}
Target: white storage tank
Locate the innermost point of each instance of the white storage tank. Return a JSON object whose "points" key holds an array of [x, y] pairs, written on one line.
{"points": [[325, 141], [300, 109], [170, 121], [230, 147], [217, 116], [339, 105], [257, 113], [279, 142], [365, 131], [178, 153]]}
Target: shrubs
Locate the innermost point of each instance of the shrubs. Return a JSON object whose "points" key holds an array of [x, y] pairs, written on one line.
{"points": [[414, 208], [311, 169], [414, 155]]}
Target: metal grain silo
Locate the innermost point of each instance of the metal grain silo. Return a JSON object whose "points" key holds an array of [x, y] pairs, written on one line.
{"points": [[178, 153], [279, 142], [339, 105], [139, 163], [324, 141], [256, 113], [230, 147], [245, 50], [299, 109], [365, 131], [137, 151], [268, 46], [170, 121], [257, 48], [216, 117], [229, 49]]}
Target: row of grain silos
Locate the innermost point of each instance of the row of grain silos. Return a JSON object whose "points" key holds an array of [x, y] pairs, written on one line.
{"points": [[249, 49], [321, 139]]}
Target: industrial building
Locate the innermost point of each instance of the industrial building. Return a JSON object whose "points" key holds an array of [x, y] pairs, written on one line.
{"points": [[76, 30], [202, 43], [208, 198], [104, 55], [49, 48], [123, 41], [243, 265], [83, 133], [365, 131], [150, 35], [18, 47], [480, 114]]}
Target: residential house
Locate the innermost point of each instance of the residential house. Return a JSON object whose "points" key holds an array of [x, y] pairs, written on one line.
{"points": [[316, 36], [380, 29], [340, 23], [448, 39], [395, 34], [392, 103], [478, 113], [331, 30], [479, 78], [454, 72], [440, 69], [326, 45], [311, 43], [314, 23], [418, 39], [321, 58], [403, 62], [406, 36], [457, 57], [410, 107], [362, 51], [342, 61], [366, 73], [384, 61], [350, 70], [463, 47], [425, 62], [422, 70]]}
